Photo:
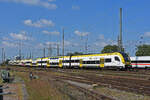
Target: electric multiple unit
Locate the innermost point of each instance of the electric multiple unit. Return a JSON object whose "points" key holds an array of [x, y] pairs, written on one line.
{"points": [[115, 60]]}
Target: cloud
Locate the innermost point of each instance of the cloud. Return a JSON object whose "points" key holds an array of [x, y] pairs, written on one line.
{"points": [[66, 43], [75, 7], [47, 44], [81, 33], [40, 23], [100, 44], [51, 0], [51, 33], [5, 38], [40, 45], [20, 36], [9, 44], [101, 37], [102, 41], [147, 34], [52, 43], [46, 3]]}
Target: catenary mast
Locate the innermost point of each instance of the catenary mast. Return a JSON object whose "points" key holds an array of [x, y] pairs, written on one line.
{"points": [[120, 44]]}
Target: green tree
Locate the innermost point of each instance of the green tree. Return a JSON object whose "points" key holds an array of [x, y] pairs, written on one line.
{"points": [[110, 49], [143, 50]]}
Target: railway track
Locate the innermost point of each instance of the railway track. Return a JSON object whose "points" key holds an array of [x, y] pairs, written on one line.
{"points": [[95, 95], [96, 71], [87, 92], [125, 84], [130, 85]]}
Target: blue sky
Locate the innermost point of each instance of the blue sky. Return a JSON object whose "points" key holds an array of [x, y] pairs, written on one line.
{"points": [[38, 23]]}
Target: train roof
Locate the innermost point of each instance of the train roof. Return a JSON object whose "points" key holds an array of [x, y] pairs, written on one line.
{"points": [[86, 55], [104, 54]]}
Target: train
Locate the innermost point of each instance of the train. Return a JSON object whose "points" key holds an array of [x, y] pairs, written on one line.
{"points": [[116, 60], [141, 62]]}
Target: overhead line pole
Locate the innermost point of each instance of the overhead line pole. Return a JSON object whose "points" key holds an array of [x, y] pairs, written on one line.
{"points": [[120, 45], [44, 52], [63, 44], [49, 47], [2, 55], [20, 49], [57, 49], [120, 29]]}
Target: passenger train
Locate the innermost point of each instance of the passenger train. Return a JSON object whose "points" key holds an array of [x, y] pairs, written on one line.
{"points": [[116, 60], [140, 62]]}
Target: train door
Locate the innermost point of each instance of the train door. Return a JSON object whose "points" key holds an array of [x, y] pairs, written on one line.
{"points": [[31, 64], [41, 62], [48, 63], [81, 62], [101, 62], [60, 63]]}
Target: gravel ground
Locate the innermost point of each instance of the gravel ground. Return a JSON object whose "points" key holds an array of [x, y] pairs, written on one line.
{"points": [[16, 89], [66, 89], [121, 95]]}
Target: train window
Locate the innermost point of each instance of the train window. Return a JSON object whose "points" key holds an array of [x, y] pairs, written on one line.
{"points": [[42, 62], [28, 62], [65, 61], [88, 62], [91, 62], [54, 63], [77, 61], [84, 62], [141, 61], [107, 60], [97, 62], [72, 61], [117, 59]]}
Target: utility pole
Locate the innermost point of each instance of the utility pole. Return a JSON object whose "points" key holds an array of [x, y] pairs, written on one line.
{"points": [[27, 56], [44, 52], [63, 44], [86, 45], [20, 49], [49, 49], [57, 49], [32, 54], [118, 40], [2, 55], [120, 45]]}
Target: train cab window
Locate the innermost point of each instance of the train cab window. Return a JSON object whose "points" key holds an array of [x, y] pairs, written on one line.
{"points": [[107, 60], [117, 59]]}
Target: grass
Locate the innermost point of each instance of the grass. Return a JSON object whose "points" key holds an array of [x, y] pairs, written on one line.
{"points": [[39, 89], [1, 81]]}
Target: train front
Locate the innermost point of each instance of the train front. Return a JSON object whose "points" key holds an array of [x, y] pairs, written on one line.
{"points": [[127, 60]]}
